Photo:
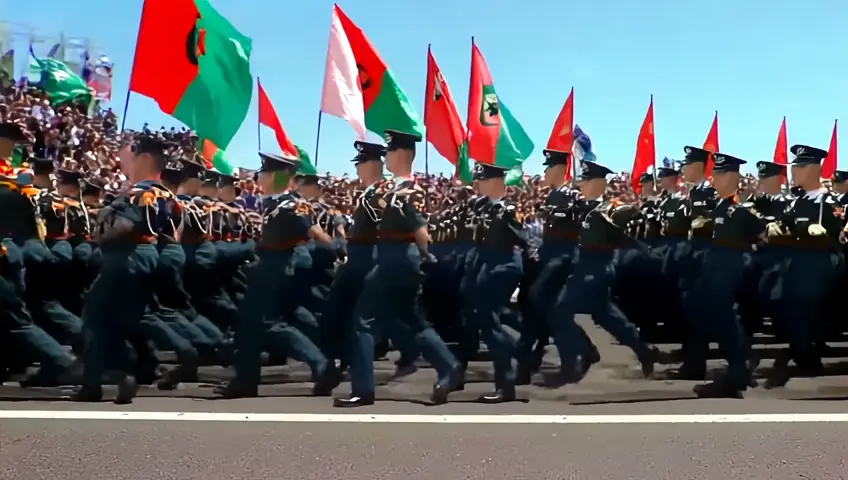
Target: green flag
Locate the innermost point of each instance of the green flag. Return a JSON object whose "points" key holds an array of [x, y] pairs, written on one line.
{"points": [[305, 167], [515, 177], [463, 164], [196, 65], [61, 84]]}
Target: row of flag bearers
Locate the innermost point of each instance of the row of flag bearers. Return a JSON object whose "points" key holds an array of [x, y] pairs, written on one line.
{"points": [[177, 263]]}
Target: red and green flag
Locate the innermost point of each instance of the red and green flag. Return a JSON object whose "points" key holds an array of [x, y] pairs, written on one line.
{"points": [[445, 131], [195, 65], [358, 85], [213, 157], [494, 135]]}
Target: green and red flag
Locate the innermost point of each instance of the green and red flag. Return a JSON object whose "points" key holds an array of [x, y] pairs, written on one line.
{"points": [[213, 157], [494, 136], [445, 131], [195, 65], [358, 85]]}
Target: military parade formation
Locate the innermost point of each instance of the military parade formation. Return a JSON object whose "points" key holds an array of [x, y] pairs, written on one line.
{"points": [[92, 284]]}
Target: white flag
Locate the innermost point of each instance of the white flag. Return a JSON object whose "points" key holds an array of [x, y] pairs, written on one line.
{"points": [[341, 95]]}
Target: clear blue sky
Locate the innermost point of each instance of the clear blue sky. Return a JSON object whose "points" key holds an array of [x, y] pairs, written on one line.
{"points": [[753, 61]]}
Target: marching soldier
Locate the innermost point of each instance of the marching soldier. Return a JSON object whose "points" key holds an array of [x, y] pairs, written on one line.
{"points": [[689, 228], [813, 224], [501, 269], [132, 225], [265, 317], [390, 290], [20, 221], [769, 202], [556, 254], [722, 280], [337, 320], [588, 288]]}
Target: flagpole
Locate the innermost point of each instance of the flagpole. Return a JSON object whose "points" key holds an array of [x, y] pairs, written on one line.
{"points": [[258, 123], [318, 137], [426, 143], [653, 134], [132, 65]]}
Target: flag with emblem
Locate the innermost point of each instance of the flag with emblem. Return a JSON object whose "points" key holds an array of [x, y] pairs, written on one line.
{"points": [[195, 65], [494, 136], [646, 150], [384, 105], [61, 84], [444, 128], [711, 144], [562, 135]]}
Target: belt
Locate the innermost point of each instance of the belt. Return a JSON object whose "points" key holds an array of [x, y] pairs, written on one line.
{"points": [[282, 246], [559, 235]]}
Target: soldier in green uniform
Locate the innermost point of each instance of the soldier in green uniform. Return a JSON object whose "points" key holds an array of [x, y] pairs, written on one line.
{"points": [[265, 317], [132, 226], [587, 290], [19, 221], [722, 280], [65, 217], [390, 290], [209, 265]]}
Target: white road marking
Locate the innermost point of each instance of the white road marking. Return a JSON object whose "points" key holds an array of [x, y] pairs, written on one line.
{"points": [[434, 419]]}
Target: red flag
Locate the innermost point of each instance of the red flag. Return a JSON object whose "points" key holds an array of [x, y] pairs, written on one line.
{"points": [[562, 135], [829, 164], [646, 150], [441, 118], [268, 117], [780, 156], [711, 144], [161, 69]]}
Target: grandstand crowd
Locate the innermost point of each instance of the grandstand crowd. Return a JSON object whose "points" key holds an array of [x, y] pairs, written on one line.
{"points": [[78, 139]]}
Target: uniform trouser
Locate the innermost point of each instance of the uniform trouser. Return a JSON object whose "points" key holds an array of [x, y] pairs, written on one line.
{"points": [[588, 291], [265, 319], [808, 280], [199, 331], [115, 307], [157, 329], [57, 321], [555, 259], [389, 297], [681, 265], [497, 278], [30, 341], [337, 325], [716, 291]]}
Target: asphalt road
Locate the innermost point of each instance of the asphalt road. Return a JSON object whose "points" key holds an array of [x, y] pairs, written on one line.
{"points": [[610, 426]]}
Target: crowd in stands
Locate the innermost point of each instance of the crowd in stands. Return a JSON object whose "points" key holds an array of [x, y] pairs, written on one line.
{"points": [[77, 138]]}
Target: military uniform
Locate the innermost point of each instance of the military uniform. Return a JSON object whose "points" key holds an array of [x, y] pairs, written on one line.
{"points": [[22, 340], [811, 225], [556, 255], [721, 284], [588, 288], [499, 274], [390, 290], [131, 226], [337, 320], [265, 315]]}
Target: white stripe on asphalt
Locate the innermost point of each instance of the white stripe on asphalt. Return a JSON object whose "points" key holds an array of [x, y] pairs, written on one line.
{"points": [[453, 419]]}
